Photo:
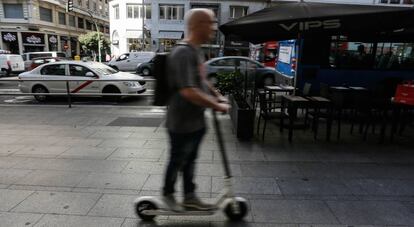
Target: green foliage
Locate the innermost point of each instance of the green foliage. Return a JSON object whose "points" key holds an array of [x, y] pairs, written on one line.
{"points": [[229, 83], [89, 41]]}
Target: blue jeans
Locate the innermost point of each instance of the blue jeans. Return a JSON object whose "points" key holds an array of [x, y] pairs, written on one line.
{"points": [[183, 153]]}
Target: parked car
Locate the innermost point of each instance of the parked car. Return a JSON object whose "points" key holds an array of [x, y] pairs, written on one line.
{"points": [[264, 75], [78, 70], [28, 57], [11, 63], [43, 60], [145, 68], [129, 61]]}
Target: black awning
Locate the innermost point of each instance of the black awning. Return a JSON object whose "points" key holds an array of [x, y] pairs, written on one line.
{"points": [[288, 20]]}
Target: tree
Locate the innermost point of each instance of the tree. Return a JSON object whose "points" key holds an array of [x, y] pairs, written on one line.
{"points": [[89, 43]]}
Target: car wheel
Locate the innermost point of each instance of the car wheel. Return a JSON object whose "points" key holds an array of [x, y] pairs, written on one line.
{"points": [[40, 89], [146, 71], [111, 90]]}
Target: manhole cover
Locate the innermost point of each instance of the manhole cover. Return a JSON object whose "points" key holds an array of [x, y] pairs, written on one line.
{"points": [[136, 122]]}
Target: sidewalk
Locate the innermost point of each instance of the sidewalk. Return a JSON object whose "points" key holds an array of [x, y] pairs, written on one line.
{"points": [[67, 167]]}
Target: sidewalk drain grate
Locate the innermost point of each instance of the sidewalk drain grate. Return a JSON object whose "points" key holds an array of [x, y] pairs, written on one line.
{"points": [[136, 122]]}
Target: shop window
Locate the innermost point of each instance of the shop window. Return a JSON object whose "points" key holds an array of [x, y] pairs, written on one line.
{"points": [[88, 25], [172, 12], [238, 11], [45, 14], [72, 21], [62, 18], [394, 56], [359, 55], [13, 10]]}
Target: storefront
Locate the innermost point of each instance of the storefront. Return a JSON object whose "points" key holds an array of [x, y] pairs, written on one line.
{"points": [[167, 39], [10, 42], [73, 46], [33, 42]]}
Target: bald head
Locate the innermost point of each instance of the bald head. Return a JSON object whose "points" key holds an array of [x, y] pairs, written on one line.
{"points": [[198, 21]]}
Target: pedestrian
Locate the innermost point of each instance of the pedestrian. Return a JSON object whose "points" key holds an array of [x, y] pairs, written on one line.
{"points": [[191, 94]]}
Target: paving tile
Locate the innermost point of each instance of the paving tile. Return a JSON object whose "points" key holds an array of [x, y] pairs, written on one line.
{"points": [[36, 140], [385, 187], [41, 151], [137, 153], [290, 156], [268, 170], [10, 198], [161, 144], [73, 165], [114, 206], [110, 135], [87, 152], [235, 155], [143, 167], [9, 176], [58, 203], [75, 221], [114, 181], [249, 224], [8, 162], [250, 185], [138, 130], [74, 141], [313, 186], [292, 211], [371, 213], [9, 149], [122, 143], [148, 136], [51, 178], [343, 156], [207, 169], [18, 219], [155, 182], [160, 221]]}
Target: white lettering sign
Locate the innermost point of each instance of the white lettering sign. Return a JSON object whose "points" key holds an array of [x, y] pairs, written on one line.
{"points": [[285, 53], [308, 25], [52, 39], [33, 39], [9, 37]]}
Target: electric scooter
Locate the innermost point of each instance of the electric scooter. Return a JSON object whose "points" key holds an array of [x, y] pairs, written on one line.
{"points": [[235, 208]]}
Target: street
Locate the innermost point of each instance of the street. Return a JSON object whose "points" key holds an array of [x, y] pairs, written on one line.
{"points": [[12, 87]]}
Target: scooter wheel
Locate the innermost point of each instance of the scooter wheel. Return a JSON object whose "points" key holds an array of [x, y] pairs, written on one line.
{"points": [[143, 206], [231, 213]]}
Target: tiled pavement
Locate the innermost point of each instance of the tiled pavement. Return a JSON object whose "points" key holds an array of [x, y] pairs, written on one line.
{"points": [[65, 167]]}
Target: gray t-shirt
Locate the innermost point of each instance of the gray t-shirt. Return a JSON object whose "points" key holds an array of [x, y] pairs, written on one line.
{"points": [[184, 64]]}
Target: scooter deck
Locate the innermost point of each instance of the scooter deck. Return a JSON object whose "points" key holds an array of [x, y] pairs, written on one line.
{"points": [[184, 213]]}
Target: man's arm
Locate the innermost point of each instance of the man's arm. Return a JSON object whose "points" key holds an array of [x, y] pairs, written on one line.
{"points": [[214, 91], [198, 97]]}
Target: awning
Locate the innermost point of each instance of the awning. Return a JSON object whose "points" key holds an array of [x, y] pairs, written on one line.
{"points": [[289, 20], [133, 34], [170, 35]]}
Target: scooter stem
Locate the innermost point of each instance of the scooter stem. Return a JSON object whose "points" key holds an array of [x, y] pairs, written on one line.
{"points": [[227, 173]]}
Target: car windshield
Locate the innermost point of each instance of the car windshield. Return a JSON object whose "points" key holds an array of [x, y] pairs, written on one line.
{"points": [[103, 69]]}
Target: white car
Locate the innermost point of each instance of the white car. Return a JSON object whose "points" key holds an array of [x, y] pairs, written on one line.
{"points": [[11, 63], [69, 70]]}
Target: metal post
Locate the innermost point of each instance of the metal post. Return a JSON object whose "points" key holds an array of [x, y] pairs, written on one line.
{"points": [[143, 26], [68, 94]]}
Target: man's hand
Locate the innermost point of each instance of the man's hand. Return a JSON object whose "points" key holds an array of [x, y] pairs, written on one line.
{"points": [[222, 107], [222, 99]]}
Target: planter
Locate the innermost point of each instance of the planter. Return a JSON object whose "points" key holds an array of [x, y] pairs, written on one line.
{"points": [[242, 118]]}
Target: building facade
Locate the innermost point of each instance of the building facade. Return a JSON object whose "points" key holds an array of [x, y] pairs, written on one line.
{"points": [[157, 25], [34, 25]]}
